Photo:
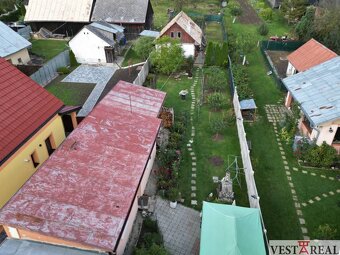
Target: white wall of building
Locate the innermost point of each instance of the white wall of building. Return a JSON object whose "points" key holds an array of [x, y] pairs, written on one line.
{"points": [[22, 54], [189, 49], [325, 135], [290, 69], [88, 48]]}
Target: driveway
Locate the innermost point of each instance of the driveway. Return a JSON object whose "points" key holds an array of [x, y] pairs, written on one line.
{"points": [[100, 75], [180, 227]]}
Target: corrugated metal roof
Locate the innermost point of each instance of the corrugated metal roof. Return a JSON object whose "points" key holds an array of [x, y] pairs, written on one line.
{"points": [[149, 33], [112, 28], [248, 104], [310, 54], [318, 91], [120, 11], [23, 247], [189, 26], [24, 107], [10, 41], [84, 191], [60, 10]]}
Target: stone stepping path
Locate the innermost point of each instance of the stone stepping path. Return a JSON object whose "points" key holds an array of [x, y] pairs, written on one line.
{"points": [[321, 197], [276, 113], [196, 81]]}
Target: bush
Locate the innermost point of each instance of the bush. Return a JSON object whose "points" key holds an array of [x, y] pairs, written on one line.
{"points": [[172, 194], [266, 14], [316, 156], [216, 78], [63, 70], [235, 8], [325, 232], [153, 250], [217, 100], [263, 29], [143, 47]]}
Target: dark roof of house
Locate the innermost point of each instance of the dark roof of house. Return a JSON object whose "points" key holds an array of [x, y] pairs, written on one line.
{"points": [[120, 11], [83, 193], [105, 36], [105, 31], [25, 107]]}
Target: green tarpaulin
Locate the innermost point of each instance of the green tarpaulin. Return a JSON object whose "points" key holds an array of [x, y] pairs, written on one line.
{"points": [[231, 230]]}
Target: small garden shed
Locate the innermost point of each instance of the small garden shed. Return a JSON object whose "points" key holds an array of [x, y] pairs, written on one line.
{"points": [[248, 109]]}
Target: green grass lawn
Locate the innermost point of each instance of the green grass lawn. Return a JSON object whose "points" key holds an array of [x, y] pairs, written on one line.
{"points": [[48, 49], [213, 32], [204, 145], [70, 93], [160, 8], [131, 57], [277, 203]]}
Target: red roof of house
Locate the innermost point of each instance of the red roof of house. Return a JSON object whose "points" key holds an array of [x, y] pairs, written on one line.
{"points": [[312, 53], [84, 191], [25, 106]]}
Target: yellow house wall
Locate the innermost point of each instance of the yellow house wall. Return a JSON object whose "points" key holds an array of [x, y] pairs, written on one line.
{"points": [[16, 171], [23, 54]]}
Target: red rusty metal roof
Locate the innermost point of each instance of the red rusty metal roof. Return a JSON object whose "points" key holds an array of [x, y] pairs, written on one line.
{"points": [[25, 107], [136, 99], [311, 54], [84, 191]]}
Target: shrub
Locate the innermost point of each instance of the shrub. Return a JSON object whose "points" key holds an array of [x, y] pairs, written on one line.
{"points": [[216, 100], [172, 194], [325, 232], [143, 47], [210, 54], [63, 70], [263, 29], [153, 250], [216, 78], [73, 60], [235, 8], [266, 14], [316, 156]]}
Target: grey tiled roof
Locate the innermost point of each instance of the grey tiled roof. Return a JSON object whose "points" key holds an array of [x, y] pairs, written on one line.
{"points": [[10, 41], [120, 11], [317, 90]]}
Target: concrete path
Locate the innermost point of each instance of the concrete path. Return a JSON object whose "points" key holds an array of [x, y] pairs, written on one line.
{"points": [[180, 228], [100, 75]]}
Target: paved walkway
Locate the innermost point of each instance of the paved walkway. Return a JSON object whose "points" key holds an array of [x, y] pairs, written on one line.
{"points": [[180, 228], [100, 75]]}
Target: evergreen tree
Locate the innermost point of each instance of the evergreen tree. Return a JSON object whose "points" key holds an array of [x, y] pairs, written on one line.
{"points": [[293, 10]]}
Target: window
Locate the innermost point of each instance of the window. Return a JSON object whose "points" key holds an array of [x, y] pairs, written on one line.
{"points": [[179, 34], [49, 142], [35, 159], [20, 60], [172, 34]]}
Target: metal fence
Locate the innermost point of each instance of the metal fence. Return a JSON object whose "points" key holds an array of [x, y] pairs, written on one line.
{"points": [[49, 70], [277, 46], [143, 73], [25, 32]]}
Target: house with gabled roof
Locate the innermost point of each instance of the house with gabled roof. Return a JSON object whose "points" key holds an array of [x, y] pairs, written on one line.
{"points": [[317, 91], [13, 47], [97, 43], [85, 195], [311, 54], [62, 16], [30, 130], [133, 15], [183, 28]]}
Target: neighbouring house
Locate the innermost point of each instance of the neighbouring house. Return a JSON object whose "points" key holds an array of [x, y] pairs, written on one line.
{"points": [[317, 91], [229, 229], [311, 54], [86, 195], [97, 43], [30, 129], [182, 27], [13, 47], [149, 33], [133, 15], [62, 16]]}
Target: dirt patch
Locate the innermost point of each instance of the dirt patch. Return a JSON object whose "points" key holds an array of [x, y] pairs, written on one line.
{"points": [[280, 62], [216, 161], [249, 15], [217, 137]]}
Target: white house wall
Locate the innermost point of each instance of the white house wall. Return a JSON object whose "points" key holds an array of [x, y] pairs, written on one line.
{"points": [[325, 135], [189, 49], [88, 48], [290, 69], [22, 54]]}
